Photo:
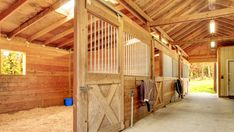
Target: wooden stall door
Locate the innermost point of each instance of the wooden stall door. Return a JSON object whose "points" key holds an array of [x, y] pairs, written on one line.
{"points": [[104, 103], [104, 78]]}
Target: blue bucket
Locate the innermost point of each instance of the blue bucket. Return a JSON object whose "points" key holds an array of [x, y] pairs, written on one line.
{"points": [[68, 101]]}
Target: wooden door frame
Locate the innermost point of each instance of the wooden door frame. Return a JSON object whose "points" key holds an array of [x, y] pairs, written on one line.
{"points": [[80, 94], [227, 67], [80, 115]]}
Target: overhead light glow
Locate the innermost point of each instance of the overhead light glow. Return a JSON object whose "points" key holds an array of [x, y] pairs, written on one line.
{"points": [[67, 9], [212, 4], [212, 26], [112, 1], [212, 44]]}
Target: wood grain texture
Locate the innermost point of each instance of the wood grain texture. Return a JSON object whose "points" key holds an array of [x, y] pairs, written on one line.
{"points": [[225, 53], [131, 83], [46, 82]]}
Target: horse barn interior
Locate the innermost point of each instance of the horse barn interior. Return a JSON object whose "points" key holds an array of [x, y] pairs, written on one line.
{"points": [[110, 57]]}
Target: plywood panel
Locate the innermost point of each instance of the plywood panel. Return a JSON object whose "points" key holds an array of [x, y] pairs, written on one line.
{"points": [[46, 83]]}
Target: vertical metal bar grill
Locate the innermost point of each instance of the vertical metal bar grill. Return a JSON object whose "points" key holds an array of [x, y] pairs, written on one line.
{"points": [[103, 46], [137, 56]]}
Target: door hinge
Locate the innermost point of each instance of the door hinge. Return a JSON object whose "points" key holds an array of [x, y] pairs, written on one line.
{"points": [[85, 88]]}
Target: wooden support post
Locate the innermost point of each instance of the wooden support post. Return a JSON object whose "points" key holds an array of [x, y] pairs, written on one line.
{"points": [[121, 68], [215, 77], [161, 64], [152, 60], [180, 67], [80, 110]]}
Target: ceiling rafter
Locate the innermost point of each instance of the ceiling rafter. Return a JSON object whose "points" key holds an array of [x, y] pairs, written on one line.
{"points": [[195, 17], [192, 28], [69, 41], [137, 9], [226, 3], [178, 9], [36, 18], [166, 9], [150, 4], [217, 39], [163, 4], [59, 36], [50, 28], [10, 10], [189, 9]]}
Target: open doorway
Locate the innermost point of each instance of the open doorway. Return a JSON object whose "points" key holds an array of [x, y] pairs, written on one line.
{"points": [[202, 78]]}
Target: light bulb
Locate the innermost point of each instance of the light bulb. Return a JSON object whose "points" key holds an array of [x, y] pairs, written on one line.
{"points": [[212, 26]]}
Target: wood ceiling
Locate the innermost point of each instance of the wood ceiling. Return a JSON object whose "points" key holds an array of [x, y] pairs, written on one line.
{"points": [[182, 22], [186, 22], [37, 21]]}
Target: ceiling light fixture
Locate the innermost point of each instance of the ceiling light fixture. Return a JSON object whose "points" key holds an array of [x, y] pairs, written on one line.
{"points": [[212, 44], [212, 26]]}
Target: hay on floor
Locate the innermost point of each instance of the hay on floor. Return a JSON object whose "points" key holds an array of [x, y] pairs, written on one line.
{"points": [[51, 119]]}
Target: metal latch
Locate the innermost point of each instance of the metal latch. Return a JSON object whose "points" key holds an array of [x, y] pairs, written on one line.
{"points": [[85, 88]]}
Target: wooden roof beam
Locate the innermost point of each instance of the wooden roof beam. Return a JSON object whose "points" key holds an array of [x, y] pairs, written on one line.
{"points": [[50, 28], [66, 43], [129, 8], [36, 18], [226, 3], [171, 6], [217, 39], [10, 10], [192, 47], [191, 29], [202, 58], [195, 17], [139, 11], [183, 52], [58, 36]]}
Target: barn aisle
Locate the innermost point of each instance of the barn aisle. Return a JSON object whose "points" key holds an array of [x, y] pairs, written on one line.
{"points": [[51, 119], [197, 113]]}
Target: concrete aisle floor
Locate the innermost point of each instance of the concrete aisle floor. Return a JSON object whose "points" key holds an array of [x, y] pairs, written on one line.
{"points": [[196, 113]]}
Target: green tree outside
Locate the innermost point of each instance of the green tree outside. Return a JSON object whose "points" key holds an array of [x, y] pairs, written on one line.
{"points": [[11, 62]]}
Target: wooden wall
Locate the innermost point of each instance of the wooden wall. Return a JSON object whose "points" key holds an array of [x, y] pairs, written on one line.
{"points": [[46, 82], [224, 53], [130, 84], [168, 89], [202, 53]]}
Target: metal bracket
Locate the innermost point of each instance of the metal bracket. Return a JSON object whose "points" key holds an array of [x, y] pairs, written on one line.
{"points": [[85, 88]]}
